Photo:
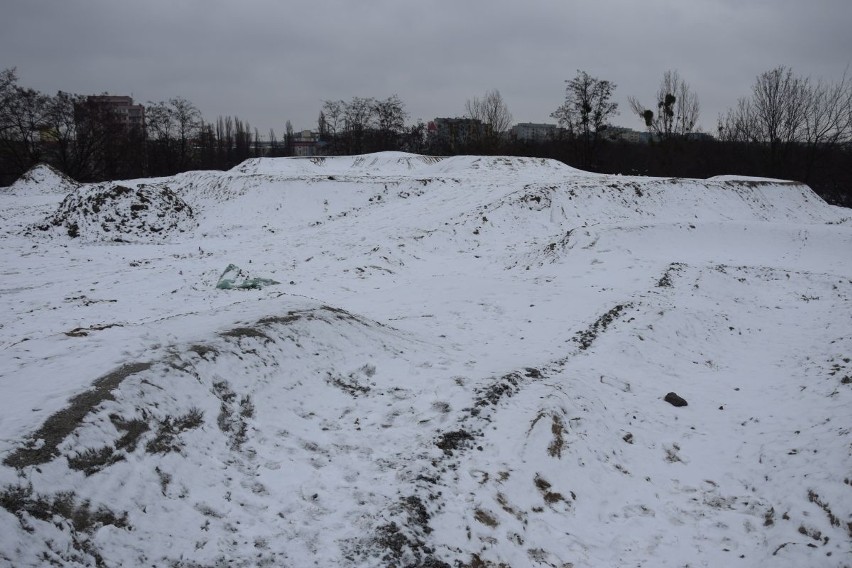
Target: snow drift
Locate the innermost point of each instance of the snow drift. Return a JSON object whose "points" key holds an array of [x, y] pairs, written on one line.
{"points": [[42, 179], [466, 363]]}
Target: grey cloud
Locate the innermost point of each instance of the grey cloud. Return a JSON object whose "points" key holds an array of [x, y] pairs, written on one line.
{"points": [[269, 61]]}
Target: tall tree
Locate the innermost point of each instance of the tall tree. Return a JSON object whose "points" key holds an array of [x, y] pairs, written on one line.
{"points": [[493, 112], [8, 84], [75, 144], [774, 116], [273, 144], [332, 113], [23, 121], [677, 108], [586, 112], [322, 126], [828, 120], [390, 116], [358, 117], [289, 139], [242, 141]]}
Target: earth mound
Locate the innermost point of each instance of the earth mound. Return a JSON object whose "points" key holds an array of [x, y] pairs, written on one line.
{"points": [[375, 164], [42, 179], [112, 212]]}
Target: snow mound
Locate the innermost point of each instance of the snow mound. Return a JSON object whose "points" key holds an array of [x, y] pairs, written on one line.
{"points": [[403, 164], [748, 179], [378, 164], [392, 163], [502, 165], [259, 372], [112, 212], [465, 364], [42, 179]]}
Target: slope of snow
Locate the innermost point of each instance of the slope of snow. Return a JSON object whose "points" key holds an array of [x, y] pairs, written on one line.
{"points": [[384, 163], [115, 213], [464, 365], [42, 179]]}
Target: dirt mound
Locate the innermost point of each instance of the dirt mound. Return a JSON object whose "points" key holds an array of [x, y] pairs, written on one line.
{"points": [[110, 212], [42, 179]]}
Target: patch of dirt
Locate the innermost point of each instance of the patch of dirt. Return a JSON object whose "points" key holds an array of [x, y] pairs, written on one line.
{"points": [[64, 510], [246, 332], [91, 461], [507, 385], [166, 439], [449, 441], [353, 383], [485, 518], [43, 443], [666, 280], [558, 444], [84, 331], [233, 414], [587, 337]]}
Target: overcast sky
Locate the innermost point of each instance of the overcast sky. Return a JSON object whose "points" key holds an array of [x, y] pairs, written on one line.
{"points": [[268, 61]]}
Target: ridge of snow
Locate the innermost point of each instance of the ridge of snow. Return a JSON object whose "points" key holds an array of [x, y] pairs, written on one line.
{"points": [[465, 364], [42, 179]]}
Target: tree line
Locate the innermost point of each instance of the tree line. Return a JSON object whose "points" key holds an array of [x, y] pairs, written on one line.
{"points": [[788, 126], [89, 141]]}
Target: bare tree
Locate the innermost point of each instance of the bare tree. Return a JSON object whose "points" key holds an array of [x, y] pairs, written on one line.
{"points": [[828, 119], [586, 112], [24, 120], [332, 114], [492, 111], [774, 115], [358, 115], [289, 138], [322, 126], [273, 143], [188, 119], [242, 140], [677, 108], [75, 142], [390, 119], [172, 126], [8, 85]]}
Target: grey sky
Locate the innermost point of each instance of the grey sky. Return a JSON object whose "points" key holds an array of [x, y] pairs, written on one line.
{"points": [[268, 61]]}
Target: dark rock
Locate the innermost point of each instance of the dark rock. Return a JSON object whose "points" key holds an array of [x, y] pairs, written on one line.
{"points": [[450, 441], [675, 400]]}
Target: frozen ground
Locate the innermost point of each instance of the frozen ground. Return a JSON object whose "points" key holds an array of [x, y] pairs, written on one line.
{"points": [[463, 364]]}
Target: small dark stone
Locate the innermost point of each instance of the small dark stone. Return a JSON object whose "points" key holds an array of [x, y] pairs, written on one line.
{"points": [[675, 400], [533, 373], [450, 441]]}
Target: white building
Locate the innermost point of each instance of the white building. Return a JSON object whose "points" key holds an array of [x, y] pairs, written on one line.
{"points": [[533, 132]]}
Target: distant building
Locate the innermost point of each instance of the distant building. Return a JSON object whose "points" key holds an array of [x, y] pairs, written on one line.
{"points": [[702, 136], [305, 143], [124, 111], [622, 134], [454, 133], [533, 132]]}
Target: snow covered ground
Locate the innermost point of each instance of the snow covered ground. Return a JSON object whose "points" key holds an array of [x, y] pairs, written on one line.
{"points": [[464, 363]]}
